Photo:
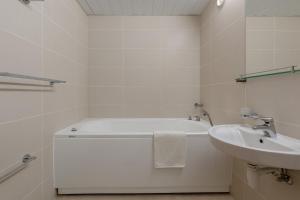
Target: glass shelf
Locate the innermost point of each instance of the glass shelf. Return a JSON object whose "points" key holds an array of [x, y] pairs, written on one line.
{"points": [[285, 70]]}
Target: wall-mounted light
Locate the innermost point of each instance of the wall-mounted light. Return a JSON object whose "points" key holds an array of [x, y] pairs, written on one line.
{"points": [[220, 3]]}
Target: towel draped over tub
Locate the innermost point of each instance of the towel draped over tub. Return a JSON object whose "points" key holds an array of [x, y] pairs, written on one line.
{"points": [[169, 149]]}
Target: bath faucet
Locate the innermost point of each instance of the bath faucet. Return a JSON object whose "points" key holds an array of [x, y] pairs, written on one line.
{"points": [[204, 112], [268, 126], [195, 118]]}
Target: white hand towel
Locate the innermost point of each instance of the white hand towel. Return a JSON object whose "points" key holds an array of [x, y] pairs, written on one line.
{"points": [[169, 149]]}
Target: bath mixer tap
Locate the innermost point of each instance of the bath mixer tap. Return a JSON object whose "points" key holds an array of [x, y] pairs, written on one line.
{"points": [[204, 112], [268, 125], [195, 118]]}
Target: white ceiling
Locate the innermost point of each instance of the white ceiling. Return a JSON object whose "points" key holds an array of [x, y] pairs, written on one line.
{"points": [[143, 7]]}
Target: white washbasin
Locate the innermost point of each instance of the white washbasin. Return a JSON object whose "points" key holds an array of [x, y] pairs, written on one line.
{"points": [[252, 146]]}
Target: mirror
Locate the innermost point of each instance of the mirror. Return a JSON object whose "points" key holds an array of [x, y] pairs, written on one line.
{"points": [[272, 34]]}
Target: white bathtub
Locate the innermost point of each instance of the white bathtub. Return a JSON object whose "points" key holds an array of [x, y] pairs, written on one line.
{"points": [[116, 156]]}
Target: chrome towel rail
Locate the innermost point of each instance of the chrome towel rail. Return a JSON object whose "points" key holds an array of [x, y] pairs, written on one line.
{"points": [[28, 1], [20, 76], [17, 168]]}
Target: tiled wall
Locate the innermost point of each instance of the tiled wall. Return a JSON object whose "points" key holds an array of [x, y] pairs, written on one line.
{"points": [[222, 60], [272, 42], [276, 97], [143, 66], [47, 39]]}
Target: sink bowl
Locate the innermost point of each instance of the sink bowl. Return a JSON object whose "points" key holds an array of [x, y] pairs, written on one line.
{"points": [[252, 146]]}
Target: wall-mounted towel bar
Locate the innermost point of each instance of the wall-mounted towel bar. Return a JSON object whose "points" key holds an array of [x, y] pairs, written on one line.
{"points": [[17, 168], [20, 76], [28, 1]]}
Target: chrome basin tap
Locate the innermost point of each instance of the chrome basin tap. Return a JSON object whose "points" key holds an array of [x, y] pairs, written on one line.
{"points": [[268, 125]]}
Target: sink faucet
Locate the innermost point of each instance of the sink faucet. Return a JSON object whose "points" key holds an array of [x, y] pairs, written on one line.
{"points": [[268, 126]]}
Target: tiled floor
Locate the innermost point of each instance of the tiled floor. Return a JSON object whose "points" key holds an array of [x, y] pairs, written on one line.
{"points": [[148, 197]]}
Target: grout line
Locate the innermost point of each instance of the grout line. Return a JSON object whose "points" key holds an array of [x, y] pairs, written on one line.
{"points": [[35, 189], [222, 32], [39, 115], [149, 49], [20, 119], [21, 38], [288, 123], [76, 40]]}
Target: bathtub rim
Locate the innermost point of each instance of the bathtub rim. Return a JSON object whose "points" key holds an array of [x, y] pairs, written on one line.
{"points": [[67, 133]]}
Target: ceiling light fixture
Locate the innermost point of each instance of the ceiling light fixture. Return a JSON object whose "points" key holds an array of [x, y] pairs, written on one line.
{"points": [[220, 3]]}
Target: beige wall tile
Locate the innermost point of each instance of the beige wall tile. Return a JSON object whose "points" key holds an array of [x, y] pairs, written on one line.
{"points": [[287, 40], [53, 122], [181, 39], [19, 138], [19, 56], [286, 58], [36, 194], [231, 11], [141, 22], [105, 95], [59, 67], [260, 39], [139, 39], [181, 58], [61, 14], [179, 110], [288, 129], [56, 39], [284, 51], [105, 22], [105, 57], [142, 76], [47, 162], [259, 60], [275, 97], [188, 76], [260, 23], [287, 23], [142, 58], [180, 22], [108, 111], [16, 104], [237, 188], [105, 39], [48, 39], [159, 56], [106, 76], [24, 183], [142, 95], [48, 192], [205, 52], [19, 18], [180, 94], [208, 78], [141, 110]]}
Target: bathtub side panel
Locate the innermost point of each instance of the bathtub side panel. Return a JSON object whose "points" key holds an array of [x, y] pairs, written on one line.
{"points": [[125, 165]]}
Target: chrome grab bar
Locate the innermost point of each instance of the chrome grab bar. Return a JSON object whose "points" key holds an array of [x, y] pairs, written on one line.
{"points": [[21, 76], [17, 168], [28, 1]]}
